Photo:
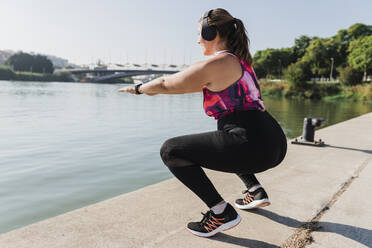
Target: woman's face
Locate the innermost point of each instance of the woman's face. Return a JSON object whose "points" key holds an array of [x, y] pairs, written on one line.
{"points": [[208, 47]]}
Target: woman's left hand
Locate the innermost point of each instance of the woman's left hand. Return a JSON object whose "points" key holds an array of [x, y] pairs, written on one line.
{"points": [[129, 89]]}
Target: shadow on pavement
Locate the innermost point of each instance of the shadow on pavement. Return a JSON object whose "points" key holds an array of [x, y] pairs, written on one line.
{"points": [[348, 148], [242, 241], [361, 235]]}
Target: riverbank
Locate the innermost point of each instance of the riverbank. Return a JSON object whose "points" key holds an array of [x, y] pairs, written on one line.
{"points": [[328, 91], [312, 193], [7, 73]]}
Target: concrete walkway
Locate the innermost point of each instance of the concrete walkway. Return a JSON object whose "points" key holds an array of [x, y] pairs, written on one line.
{"points": [[320, 196]]}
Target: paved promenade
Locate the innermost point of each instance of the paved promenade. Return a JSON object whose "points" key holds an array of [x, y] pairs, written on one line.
{"points": [[321, 197]]}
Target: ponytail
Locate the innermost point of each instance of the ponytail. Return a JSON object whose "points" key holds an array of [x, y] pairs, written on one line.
{"points": [[238, 42]]}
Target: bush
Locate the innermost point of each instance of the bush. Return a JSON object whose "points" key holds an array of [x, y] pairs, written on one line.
{"points": [[319, 91], [63, 77], [259, 70], [367, 94], [31, 76], [350, 76], [6, 73], [273, 88], [297, 76], [28, 76]]}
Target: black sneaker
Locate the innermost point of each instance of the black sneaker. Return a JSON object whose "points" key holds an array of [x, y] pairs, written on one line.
{"points": [[255, 199], [214, 223]]}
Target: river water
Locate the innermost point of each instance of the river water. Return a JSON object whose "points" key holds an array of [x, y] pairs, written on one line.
{"points": [[67, 145]]}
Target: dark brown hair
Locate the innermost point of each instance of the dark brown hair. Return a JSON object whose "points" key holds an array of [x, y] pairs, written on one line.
{"points": [[231, 30]]}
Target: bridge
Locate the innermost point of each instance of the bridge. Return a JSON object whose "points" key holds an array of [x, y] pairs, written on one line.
{"points": [[109, 74]]}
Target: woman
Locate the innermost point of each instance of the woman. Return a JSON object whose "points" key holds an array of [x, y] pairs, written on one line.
{"points": [[248, 139]]}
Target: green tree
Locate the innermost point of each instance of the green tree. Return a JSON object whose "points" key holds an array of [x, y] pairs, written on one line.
{"points": [[341, 43], [350, 76], [286, 56], [357, 30], [272, 61], [259, 70], [343, 38], [300, 46], [42, 64], [297, 75], [21, 62], [26, 62], [319, 56], [360, 54]]}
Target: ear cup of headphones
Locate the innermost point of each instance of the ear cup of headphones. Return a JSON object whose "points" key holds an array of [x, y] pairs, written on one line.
{"points": [[208, 32]]}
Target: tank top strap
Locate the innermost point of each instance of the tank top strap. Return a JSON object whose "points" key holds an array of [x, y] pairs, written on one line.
{"points": [[226, 52], [230, 53]]}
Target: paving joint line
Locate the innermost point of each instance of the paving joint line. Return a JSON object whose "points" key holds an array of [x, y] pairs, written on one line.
{"points": [[302, 235]]}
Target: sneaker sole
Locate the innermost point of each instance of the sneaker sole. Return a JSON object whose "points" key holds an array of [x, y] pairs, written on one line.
{"points": [[254, 204], [221, 228]]}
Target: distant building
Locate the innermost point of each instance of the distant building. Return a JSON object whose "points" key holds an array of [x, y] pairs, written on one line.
{"points": [[58, 62], [4, 55]]}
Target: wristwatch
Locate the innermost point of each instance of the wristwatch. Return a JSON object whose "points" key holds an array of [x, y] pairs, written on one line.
{"points": [[136, 88]]}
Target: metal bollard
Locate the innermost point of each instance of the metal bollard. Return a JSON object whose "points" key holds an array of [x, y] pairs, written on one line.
{"points": [[308, 132]]}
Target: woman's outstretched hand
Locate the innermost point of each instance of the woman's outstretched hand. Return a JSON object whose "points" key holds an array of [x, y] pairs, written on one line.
{"points": [[129, 89]]}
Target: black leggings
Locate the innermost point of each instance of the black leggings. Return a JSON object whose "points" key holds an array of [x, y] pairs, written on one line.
{"points": [[245, 143]]}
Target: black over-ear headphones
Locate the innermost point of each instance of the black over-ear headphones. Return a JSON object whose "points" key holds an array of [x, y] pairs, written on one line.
{"points": [[208, 32]]}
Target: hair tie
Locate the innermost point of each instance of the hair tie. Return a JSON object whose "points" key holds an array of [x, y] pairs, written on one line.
{"points": [[235, 23]]}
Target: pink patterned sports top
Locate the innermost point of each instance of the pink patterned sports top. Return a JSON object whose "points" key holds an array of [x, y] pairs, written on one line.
{"points": [[242, 95]]}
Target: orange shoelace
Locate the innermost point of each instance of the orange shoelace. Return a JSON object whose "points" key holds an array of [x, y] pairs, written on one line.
{"points": [[212, 224], [248, 198]]}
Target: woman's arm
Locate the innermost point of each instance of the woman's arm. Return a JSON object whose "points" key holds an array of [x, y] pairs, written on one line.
{"points": [[189, 80]]}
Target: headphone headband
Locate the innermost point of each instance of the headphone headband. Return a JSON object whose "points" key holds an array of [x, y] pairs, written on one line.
{"points": [[208, 33]]}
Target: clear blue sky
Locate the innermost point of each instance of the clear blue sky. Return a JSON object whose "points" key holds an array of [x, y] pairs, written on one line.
{"points": [[162, 31]]}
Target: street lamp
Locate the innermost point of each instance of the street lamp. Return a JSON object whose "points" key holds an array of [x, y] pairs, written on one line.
{"points": [[331, 76]]}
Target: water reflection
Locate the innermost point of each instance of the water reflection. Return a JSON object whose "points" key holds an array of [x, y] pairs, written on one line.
{"points": [[290, 113]]}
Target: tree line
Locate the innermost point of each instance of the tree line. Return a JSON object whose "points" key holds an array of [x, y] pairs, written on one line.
{"points": [[26, 67], [31, 63], [346, 54]]}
